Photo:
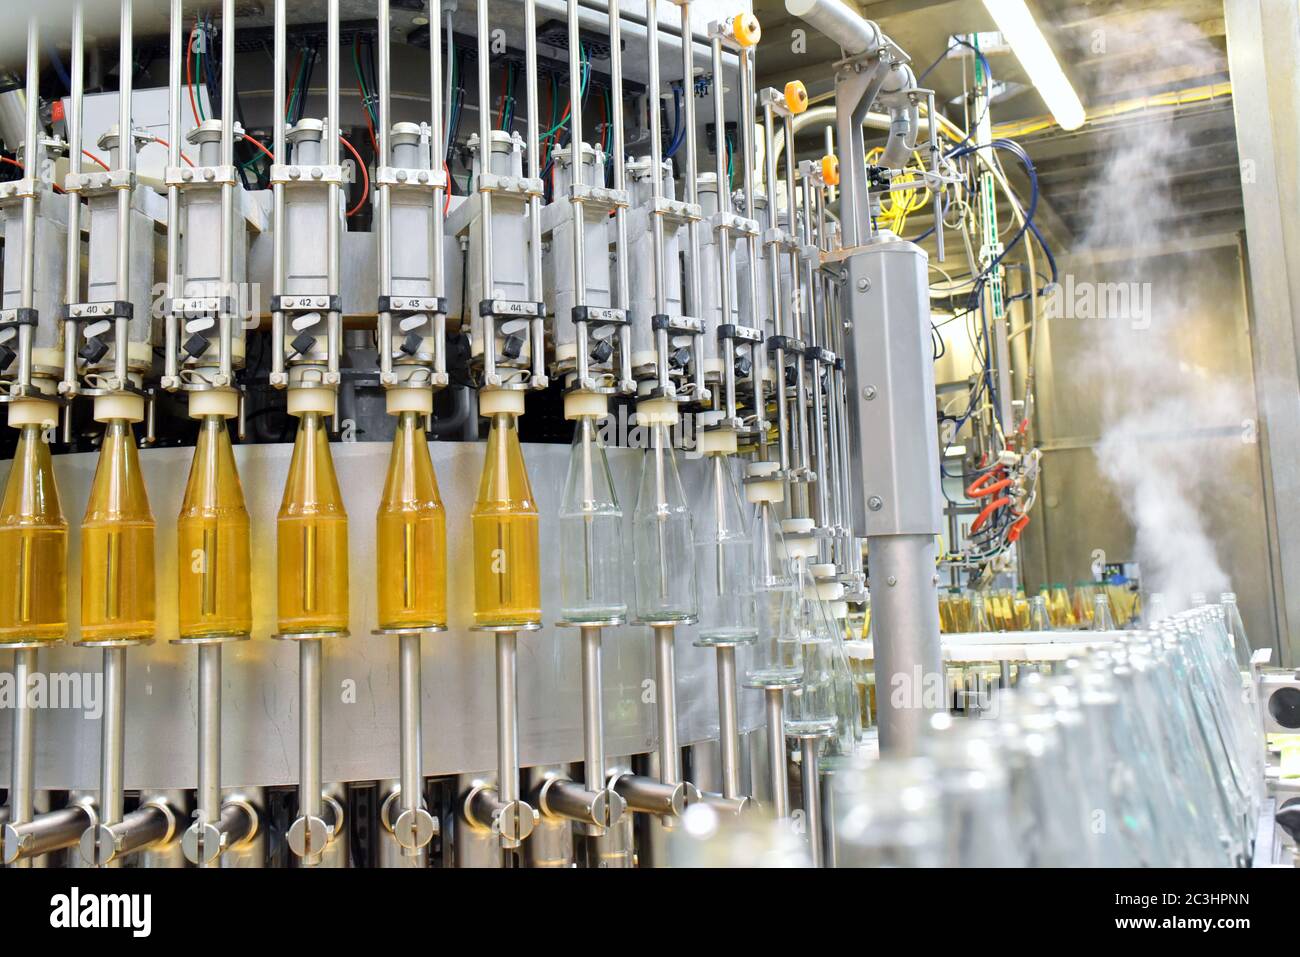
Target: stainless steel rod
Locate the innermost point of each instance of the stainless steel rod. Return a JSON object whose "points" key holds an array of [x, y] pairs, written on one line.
{"points": [[225, 329], [776, 754], [621, 273], [507, 718], [670, 755], [412, 777], [209, 778], [485, 160], [32, 153], [72, 275], [593, 726], [23, 780], [728, 721], [812, 799], [175, 276], [310, 655], [437, 163], [44, 833], [384, 208], [334, 238], [689, 174], [126, 163], [279, 252]]}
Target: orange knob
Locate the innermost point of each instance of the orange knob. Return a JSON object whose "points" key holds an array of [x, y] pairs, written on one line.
{"points": [[747, 30], [831, 169], [796, 97]]}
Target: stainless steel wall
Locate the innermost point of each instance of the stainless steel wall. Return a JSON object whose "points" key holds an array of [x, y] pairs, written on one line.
{"points": [[1200, 341]]}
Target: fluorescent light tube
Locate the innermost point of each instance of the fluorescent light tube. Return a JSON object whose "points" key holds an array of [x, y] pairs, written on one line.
{"points": [[1021, 30]]}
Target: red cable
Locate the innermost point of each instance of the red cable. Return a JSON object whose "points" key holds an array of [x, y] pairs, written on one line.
{"points": [[446, 190], [258, 144], [189, 73], [365, 175], [979, 490], [989, 509], [14, 162], [88, 154], [1018, 526]]}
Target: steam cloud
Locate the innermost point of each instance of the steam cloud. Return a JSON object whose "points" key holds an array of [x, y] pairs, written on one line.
{"points": [[1164, 420]]}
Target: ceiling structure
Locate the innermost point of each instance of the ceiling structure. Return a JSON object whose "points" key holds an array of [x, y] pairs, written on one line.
{"points": [[1128, 60]]}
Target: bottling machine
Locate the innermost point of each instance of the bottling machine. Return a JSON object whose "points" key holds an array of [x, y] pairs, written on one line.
{"points": [[529, 655]]}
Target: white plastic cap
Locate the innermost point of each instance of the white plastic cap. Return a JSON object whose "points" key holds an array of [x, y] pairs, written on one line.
{"points": [[497, 401], [123, 405]]}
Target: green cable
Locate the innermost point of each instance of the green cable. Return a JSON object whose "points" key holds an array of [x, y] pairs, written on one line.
{"points": [[361, 81], [582, 91]]}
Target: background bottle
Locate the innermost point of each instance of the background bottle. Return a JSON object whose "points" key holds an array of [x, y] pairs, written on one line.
{"points": [[312, 538], [213, 551], [663, 537], [117, 541], [412, 534], [33, 546]]}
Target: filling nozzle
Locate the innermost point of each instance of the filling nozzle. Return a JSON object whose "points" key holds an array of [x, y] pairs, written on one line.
{"points": [[55, 830], [151, 824], [235, 826]]}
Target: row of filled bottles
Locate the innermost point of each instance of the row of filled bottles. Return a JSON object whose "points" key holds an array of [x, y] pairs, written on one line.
{"points": [[1100, 605], [736, 563]]}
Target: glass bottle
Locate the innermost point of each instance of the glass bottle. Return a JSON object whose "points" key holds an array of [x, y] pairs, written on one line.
{"points": [[812, 706], [1061, 607], [117, 537], [312, 538], [33, 546], [1102, 619], [667, 589], [213, 551], [507, 576], [411, 534], [777, 658], [723, 558], [593, 585], [1039, 619]]}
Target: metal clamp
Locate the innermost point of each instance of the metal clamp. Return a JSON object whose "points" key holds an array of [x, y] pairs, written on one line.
{"points": [[98, 182], [19, 316], [512, 309], [677, 211], [400, 177], [406, 305], [521, 186], [200, 176], [89, 311], [600, 315], [26, 188], [306, 303], [200, 307], [602, 196], [740, 333], [682, 325], [286, 175], [786, 344]]}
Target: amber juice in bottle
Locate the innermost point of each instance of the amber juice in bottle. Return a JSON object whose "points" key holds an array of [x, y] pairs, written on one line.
{"points": [[507, 579], [312, 538], [33, 546], [117, 539], [212, 541], [412, 535]]}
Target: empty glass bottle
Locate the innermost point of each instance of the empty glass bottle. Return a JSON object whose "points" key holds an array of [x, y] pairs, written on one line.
{"points": [[777, 658], [213, 592], [593, 585], [663, 538], [1102, 619], [723, 557], [312, 538], [507, 577], [117, 538], [411, 534], [33, 546], [1039, 619]]}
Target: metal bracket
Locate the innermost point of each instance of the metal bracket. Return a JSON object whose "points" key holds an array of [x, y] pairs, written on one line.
{"points": [[410, 178], [199, 307], [677, 324], [521, 186], [405, 305], [201, 176], [20, 316], [87, 311], [601, 196], [306, 303], [19, 189], [310, 175], [512, 309], [99, 182], [600, 315]]}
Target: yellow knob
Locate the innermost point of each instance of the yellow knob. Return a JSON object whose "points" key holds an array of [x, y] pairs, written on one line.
{"points": [[747, 29], [831, 169], [796, 97]]}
